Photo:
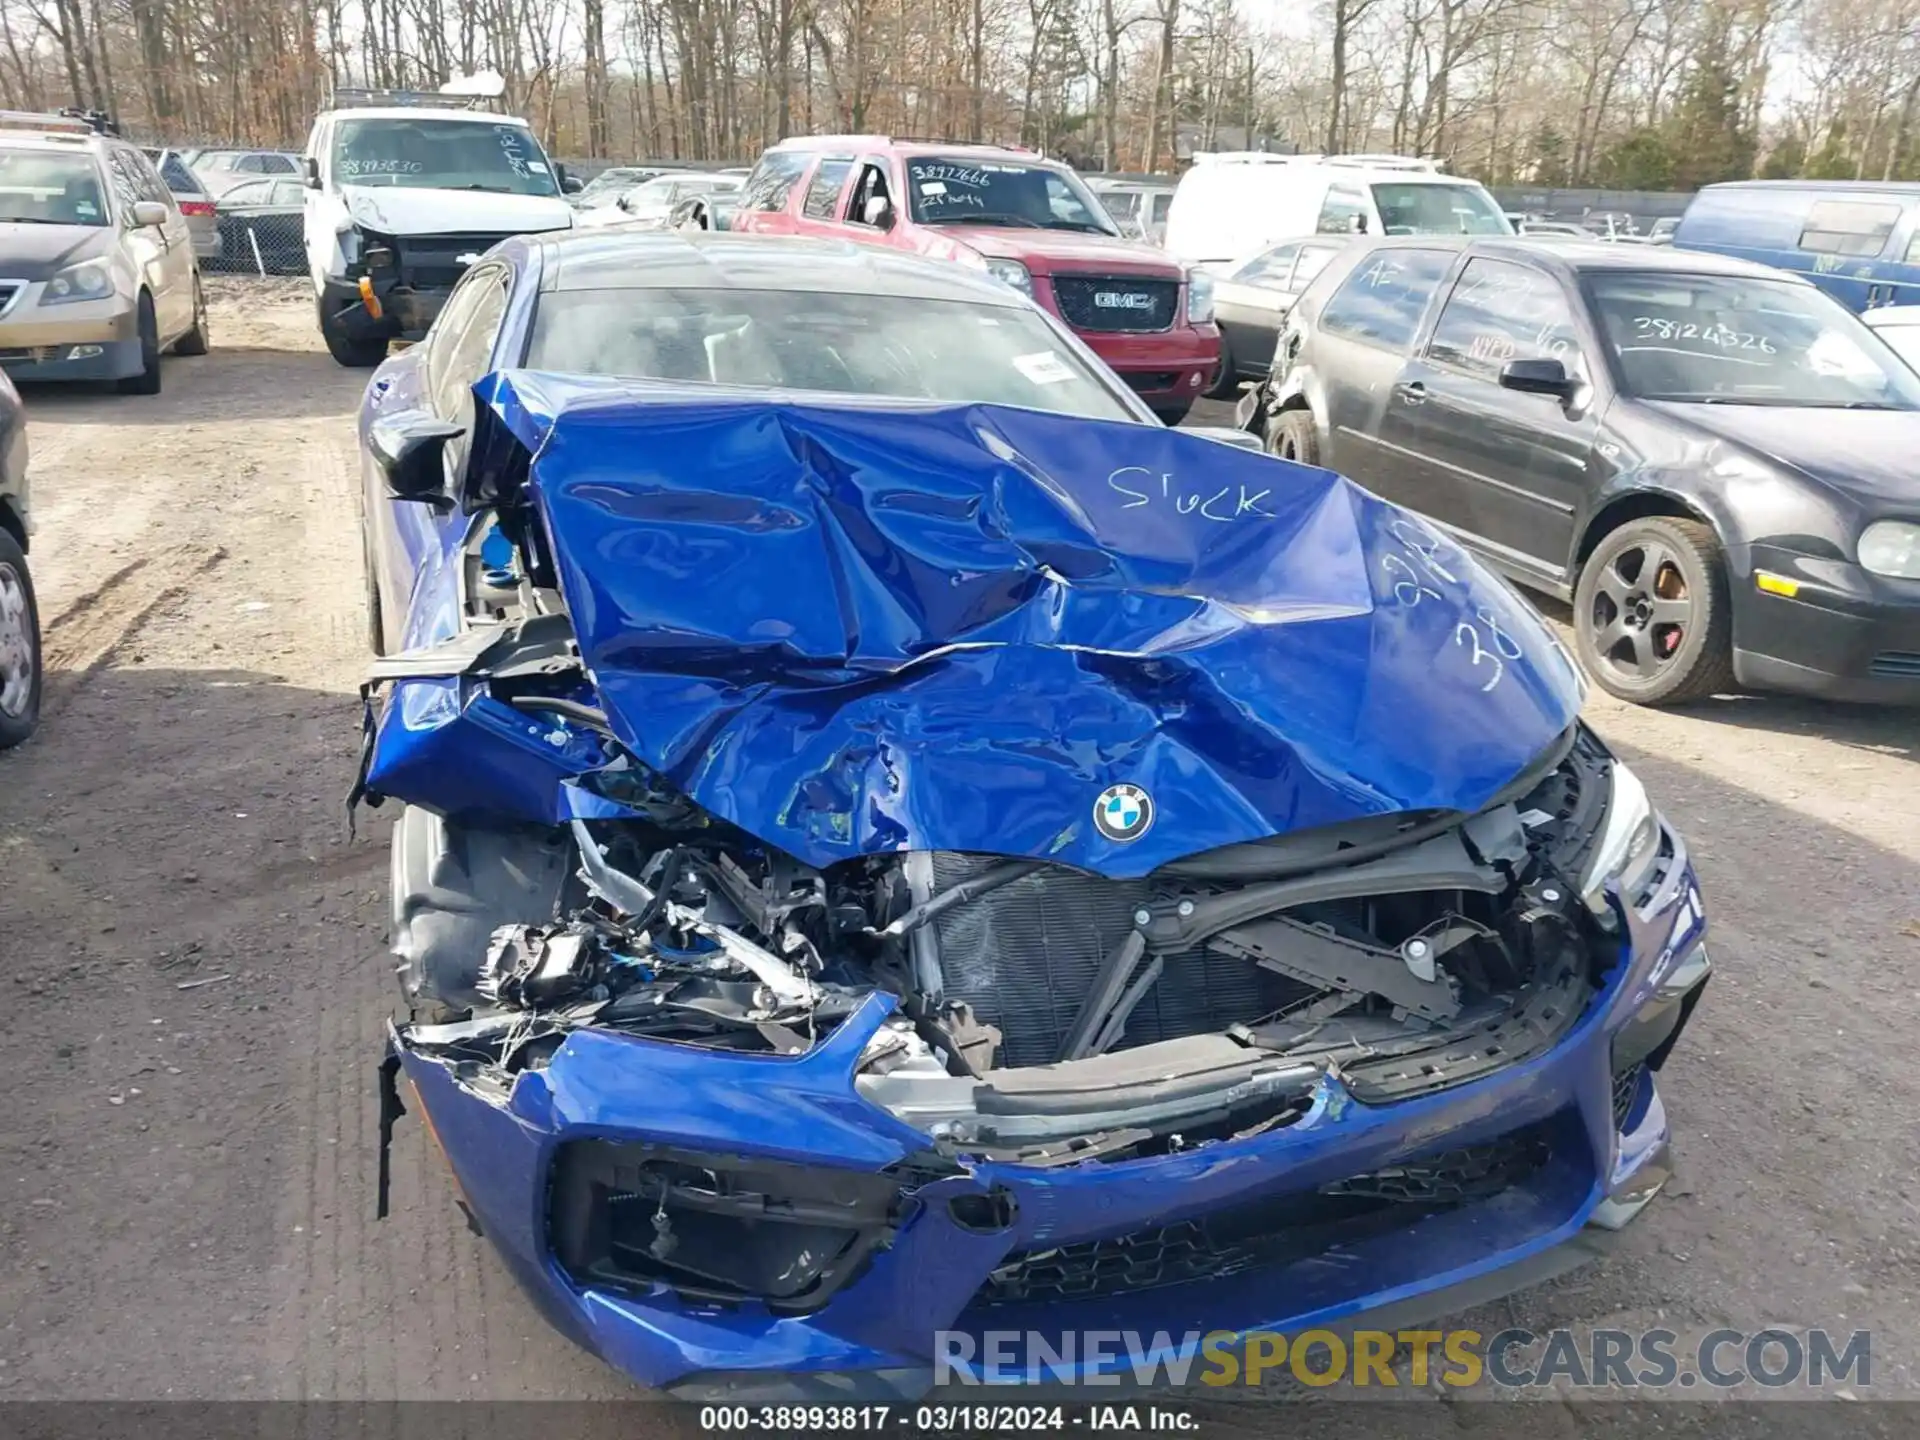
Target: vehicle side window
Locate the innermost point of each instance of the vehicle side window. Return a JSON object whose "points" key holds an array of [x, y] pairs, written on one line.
{"points": [[462, 342], [1271, 267], [1337, 212], [1500, 312], [1848, 227], [772, 181], [1313, 259], [152, 187], [1913, 249], [275, 165], [126, 184], [1162, 206], [178, 177], [872, 184], [1382, 301], [824, 192]]}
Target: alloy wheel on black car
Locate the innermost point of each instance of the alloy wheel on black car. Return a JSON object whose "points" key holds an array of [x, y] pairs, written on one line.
{"points": [[19, 647], [1650, 616]]}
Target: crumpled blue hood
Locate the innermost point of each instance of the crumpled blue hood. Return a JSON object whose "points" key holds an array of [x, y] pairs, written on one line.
{"points": [[860, 627]]}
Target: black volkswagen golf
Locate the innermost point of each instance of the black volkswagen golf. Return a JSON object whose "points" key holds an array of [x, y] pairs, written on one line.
{"points": [[1715, 463]]}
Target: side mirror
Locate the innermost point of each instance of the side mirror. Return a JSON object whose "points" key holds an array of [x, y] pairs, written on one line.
{"points": [[571, 185], [311, 169], [878, 212], [1538, 377], [149, 212], [408, 447], [1227, 435], [1358, 225]]}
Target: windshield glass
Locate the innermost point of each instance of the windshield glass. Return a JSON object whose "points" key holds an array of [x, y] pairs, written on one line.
{"points": [[1722, 339], [1438, 210], [911, 348], [47, 187], [441, 155], [954, 190]]}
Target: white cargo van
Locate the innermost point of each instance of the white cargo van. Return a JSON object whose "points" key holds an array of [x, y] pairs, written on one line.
{"points": [[405, 190], [1231, 206]]}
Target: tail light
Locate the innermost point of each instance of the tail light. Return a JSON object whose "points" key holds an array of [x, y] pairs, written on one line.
{"points": [[196, 207]]}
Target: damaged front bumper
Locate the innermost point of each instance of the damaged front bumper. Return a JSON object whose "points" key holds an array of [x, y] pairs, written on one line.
{"points": [[836, 1240]]}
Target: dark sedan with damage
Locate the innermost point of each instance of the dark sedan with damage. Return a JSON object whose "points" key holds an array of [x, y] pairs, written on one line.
{"points": [[895, 845], [1712, 460]]}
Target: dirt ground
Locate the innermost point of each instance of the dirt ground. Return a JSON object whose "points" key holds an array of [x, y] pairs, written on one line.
{"points": [[193, 957]]}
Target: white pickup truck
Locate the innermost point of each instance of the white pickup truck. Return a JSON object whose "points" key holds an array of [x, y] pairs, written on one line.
{"points": [[405, 190]]}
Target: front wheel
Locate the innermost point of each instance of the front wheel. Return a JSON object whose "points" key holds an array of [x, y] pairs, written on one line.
{"points": [[1652, 622], [1291, 436], [20, 676], [1226, 383], [199, 339], [348, 350], [147, 380]]}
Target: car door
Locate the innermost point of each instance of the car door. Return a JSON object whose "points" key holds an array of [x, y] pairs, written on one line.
{"points": [[1360, 341], [179, 263], [1248, 306], [1508, 469], [146, 244]]}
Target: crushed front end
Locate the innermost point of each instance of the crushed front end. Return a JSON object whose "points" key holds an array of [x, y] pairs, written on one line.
{"points": [[756, 1104]]}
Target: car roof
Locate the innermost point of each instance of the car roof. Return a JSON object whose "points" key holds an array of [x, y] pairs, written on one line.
{"points": [[1584, 256], [422, 112], [1893, 187], [812, 144], [716, 260], [56, 140]]}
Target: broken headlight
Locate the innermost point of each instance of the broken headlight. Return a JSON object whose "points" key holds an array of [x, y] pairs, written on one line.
{"points": [[1628, 845], [725, 1228]]}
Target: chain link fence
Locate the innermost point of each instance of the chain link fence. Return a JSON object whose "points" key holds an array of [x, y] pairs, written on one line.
{"points": [[258, 242]]}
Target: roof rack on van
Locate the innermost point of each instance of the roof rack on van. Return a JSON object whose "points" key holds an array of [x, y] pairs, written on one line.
{"points": [[69, 121], [858, 142], [465, 92], [1384, 162]]}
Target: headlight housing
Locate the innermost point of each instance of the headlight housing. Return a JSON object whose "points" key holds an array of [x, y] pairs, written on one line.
{"points": [[1012, 272], [1199, 297], [1891, 547], [89, 280], [1629, 842]]}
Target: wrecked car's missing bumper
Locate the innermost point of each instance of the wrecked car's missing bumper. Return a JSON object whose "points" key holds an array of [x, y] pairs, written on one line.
{"points": [[1277, 1231], [1049, 921]]}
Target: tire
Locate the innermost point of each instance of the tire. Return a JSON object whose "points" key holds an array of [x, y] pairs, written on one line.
{"points": [[147, 382], [376, 619], [353, 354], [453, 886], [1652, 620], [1226, 384], [1292, 435], [1172, 415], [21, 679], [199, 339]]}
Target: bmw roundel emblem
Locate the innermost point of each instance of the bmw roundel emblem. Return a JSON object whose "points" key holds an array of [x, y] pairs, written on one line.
{"points": [[1123, 813]]}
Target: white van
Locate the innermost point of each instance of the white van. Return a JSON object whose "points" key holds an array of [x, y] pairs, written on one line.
{"points": [[1231, 206], [405, 190]]}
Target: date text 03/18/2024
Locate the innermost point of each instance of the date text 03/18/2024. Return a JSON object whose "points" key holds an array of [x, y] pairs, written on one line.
{"points": [[945, 1419]]}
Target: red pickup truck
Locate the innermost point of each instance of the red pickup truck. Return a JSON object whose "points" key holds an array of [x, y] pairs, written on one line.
{"points": [[1025, 219]]}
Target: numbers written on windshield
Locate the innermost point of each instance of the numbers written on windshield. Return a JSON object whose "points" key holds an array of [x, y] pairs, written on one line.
{"points": [[1655, 328]]}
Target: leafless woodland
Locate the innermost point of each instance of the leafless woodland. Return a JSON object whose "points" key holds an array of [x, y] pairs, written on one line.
{"points": [[1646, 93]]}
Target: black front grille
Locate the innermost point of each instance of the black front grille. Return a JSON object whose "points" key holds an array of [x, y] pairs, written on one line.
{"points": [[1272, 1232], [1116, 302], [33, 355], [1626, 1090], [1896, 665], [436, 262]]}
